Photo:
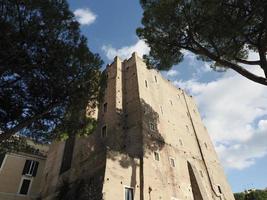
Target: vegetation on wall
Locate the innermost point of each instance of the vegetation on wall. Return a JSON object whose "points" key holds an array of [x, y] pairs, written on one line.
{"points": [[82, 189], [17, 144]]}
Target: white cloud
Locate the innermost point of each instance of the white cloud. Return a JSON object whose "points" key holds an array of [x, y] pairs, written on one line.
{"points": [[172, 73], [85, 16], [247, 152], [233, 109], [125, 52]]}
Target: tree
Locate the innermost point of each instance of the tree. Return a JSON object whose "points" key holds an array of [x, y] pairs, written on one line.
{"points": [[256, 195], [47, 73], [251, 195], [239, 196], [222, 32]]}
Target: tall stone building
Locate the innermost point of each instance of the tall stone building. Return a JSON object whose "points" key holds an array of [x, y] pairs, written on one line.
{"points": [[150, 144]]}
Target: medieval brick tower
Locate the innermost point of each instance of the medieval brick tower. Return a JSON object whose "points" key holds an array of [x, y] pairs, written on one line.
{"points": [[150, 144]]}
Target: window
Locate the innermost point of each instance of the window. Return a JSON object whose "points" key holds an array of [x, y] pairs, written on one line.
{"points": [[30, 168], [206, 145], [161, 109], [104, 131], [2, 158], [152, 126], [187, 128], [105, 107], [128, 193], [25, 186], [171, 102], [146, 83], [156, 156], [181, 142], [201, 173], [219, 189], [155, 79], [172, 162]]}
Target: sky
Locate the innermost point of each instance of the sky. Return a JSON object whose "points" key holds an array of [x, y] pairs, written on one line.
{"points": [[233, 109]]}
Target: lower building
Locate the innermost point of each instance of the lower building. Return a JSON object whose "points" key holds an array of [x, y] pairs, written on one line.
{"points": [[21, 174]]}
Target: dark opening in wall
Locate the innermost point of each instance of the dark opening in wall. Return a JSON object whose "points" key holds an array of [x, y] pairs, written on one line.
{"points": [[105, 107], [67, 155], [24, 189]]}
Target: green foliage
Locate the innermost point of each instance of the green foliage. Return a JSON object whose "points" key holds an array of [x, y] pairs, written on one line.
{"points": [[221, 32], [16, 144], [81, 190], [251, 195], [47, 73], [239, 196]]}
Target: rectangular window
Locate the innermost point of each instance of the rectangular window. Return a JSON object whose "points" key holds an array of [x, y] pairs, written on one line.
{"points": [[219, 189], [129, 193], [156, 156], [30, 168], [181, 142], [104, 131], [25, 186], [201, 173], [146, 83], [161, 109], [172, 162], [152, 126], [2, 157], [171, 102], [105, 107], [187, 128], [155, 79]]}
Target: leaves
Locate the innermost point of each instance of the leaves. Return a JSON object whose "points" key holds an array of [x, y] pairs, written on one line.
{"points": [[220, 31], [47, 72]]}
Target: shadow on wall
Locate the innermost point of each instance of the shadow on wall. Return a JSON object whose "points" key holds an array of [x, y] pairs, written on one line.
{"points": [[128, 144], [134, 142]]}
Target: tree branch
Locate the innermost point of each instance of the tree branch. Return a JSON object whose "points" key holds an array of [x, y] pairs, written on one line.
{"points": [[7, 134], [248, 62], [229, 64]]}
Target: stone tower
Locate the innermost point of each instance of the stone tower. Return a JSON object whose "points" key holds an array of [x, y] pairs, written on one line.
{"points": [[150, 144]]}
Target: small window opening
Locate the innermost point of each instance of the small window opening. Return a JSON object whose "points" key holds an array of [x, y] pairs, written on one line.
{"points": [[155, 79], [172, 162], [171, 102], [105, 107], [206, 145], [161, 109], [104, 131], [201, 173], [219, 189], [187, 128], [181, 142], [152, 126], [146, 83], [156, 156], [129, 193]]}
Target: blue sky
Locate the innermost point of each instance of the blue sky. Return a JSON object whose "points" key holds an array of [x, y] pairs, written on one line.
{"points": [[233, 109]]}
